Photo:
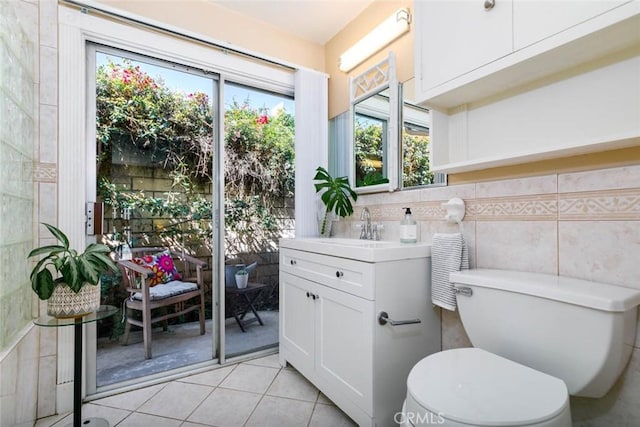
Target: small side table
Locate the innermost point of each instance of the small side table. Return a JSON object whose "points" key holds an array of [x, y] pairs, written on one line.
{"points": [[102, 313], [244, 302]]}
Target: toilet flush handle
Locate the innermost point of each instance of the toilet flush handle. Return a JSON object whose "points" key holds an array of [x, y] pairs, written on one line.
{"points": [[383, 319]]}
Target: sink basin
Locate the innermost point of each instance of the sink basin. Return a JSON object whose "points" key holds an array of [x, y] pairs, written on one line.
{"points": [[356, 242], [361, 250]]}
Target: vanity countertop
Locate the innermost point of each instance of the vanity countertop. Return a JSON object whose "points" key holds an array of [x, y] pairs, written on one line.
{"points": [[357, 249]]}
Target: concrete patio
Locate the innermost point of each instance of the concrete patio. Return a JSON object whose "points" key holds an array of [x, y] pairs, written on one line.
{"points": [[180, 346]]}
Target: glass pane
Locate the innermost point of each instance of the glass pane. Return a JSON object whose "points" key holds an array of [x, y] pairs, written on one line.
{"points": [[370, 150], [259, 210], [415, 155], [155, 145], [416, 142]]}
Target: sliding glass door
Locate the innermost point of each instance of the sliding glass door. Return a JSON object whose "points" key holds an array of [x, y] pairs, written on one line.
{"points": [[155, 141], [169, 176]]}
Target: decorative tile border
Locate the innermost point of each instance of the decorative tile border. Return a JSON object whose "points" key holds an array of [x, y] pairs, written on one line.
{"points": [[513, 208], [622, 204], [45, 172], [422, 211]]}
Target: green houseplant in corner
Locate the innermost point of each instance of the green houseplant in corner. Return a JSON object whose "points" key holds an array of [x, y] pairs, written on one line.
{"points": [[336, 196], [75, 292]]}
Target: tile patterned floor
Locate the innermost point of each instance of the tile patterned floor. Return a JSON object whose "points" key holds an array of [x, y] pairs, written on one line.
{"points": [[254, 393]]}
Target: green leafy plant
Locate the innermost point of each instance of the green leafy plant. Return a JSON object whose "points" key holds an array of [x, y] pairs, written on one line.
{"points": [[242, 272], [336, 194], [74, 269]]}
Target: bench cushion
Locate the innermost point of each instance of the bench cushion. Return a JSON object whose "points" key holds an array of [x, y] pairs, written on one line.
{"points": [[166, 290]]}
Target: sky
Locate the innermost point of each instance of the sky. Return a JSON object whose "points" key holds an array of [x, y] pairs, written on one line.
{"points": [[190, 83]]}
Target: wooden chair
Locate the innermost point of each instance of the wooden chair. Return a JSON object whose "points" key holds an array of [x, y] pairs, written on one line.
{"points": [[146, 298]]}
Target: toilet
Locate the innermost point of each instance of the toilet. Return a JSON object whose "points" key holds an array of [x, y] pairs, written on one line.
{"points": [[537, 338]]}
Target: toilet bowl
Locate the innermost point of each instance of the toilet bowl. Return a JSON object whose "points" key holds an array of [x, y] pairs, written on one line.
{"points": [[472, 387], [531, 351]]}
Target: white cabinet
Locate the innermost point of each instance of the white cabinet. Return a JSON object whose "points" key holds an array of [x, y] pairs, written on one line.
{"points": [[455, 37], [464, 53], [330, 333], [536, 20], [526, 80]]}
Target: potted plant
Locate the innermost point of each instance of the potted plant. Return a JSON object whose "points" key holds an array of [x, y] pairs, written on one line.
{"points": [[242, 278], [74, 292], [336, 196]]}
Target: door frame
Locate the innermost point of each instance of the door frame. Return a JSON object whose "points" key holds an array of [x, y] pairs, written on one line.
{"points": [[75, 30]]}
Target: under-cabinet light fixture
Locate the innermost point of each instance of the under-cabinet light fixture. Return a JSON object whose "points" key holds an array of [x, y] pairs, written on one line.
{"points": [[389, 30]]}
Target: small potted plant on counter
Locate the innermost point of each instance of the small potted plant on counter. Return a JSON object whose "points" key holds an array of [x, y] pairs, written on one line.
{"points": [[75, 292], [336, 194]]}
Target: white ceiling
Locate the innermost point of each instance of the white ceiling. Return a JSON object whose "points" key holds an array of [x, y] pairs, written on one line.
{"points": [[314, 20]]}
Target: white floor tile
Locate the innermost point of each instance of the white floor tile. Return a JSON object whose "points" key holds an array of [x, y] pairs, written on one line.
{"points": [[50, 421], [279, 412], [211, 378], [256, 393], [255, 379], [145, 420], [225, 407], [329, 415], [177, 400], [271, 361], [324, 399], [131, 400], [293, 385], [89, 410]]}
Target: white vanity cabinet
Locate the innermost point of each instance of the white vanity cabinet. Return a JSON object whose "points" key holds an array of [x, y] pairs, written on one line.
{"points": [[466, 52], [329, 329]]}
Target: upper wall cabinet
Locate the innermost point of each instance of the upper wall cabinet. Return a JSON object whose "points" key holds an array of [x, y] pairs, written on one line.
{"points": [[469, 50]]}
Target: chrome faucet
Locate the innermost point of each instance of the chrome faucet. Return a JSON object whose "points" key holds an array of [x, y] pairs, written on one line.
{"points": [[365, 232]]}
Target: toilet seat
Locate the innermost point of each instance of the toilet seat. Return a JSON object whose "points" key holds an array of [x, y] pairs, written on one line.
{"points": [[472, 386]]}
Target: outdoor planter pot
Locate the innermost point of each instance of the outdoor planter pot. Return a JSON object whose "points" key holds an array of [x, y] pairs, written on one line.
{"points": [[242, 278]]}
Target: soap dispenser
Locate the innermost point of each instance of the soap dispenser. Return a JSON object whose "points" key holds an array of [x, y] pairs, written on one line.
{"points": [[408, 228]]}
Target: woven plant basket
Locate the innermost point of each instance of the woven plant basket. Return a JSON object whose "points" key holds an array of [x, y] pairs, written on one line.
{"points": [[66, 303]]}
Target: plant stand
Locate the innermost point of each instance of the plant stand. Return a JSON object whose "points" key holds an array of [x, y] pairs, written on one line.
{"points": [[102, 313]]}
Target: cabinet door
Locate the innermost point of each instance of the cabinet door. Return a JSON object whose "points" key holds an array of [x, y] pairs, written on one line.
{"points": [[345, 342], [456, 37], [537, 20], [297, 319]]}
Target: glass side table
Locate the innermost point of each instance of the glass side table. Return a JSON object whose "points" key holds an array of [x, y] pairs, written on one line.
{"points": [[47, 321]]}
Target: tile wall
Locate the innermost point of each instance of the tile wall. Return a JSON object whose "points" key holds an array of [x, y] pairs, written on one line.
{"points": [[28, 153], [583, 224]]}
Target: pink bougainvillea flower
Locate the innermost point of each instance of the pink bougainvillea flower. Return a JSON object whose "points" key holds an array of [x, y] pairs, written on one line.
{"points": [[262, 120]]}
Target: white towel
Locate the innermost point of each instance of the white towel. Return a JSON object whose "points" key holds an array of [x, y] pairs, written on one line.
{"points": [[448, 253]]}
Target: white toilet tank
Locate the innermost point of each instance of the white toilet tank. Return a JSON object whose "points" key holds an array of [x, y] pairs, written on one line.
{"points": [[577, 330]]}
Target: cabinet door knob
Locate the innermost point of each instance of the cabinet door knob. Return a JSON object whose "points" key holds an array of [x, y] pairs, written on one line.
{"points": [[293, 262], [314, 296], [339, 274], [488, 4], [308, 294]]}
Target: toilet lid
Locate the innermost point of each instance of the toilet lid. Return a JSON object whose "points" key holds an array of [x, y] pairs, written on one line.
{"points": [[473, 386]]}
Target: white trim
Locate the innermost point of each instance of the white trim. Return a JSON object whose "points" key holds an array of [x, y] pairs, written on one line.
{"points": [[179, 31], [235, 68], [75, 30]]}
